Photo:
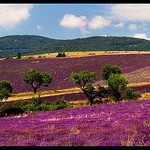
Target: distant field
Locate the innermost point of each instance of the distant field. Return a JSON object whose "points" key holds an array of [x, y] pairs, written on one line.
{"points": [[83, 54]]}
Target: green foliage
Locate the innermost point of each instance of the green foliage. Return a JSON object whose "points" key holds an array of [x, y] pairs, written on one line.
{"points": [[10, 108], [116, 84], [130, 95], [19, 55], [4, 94], [61, 55], [9, 58], [56, 105], [109, 69], [36, 101], [34, 106], [83, 78], [89, 88], [6, 84], [36, 79], [5, 89]]}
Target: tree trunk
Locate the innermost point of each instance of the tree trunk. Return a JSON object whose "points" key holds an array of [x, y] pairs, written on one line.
{"points": [[35, 89], [90, 101]]}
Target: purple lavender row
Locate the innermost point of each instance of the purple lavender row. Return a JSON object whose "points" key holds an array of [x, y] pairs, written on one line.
{"points": [[120, 124]]}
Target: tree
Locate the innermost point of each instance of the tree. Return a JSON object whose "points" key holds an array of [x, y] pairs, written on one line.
{"points": [[83, 79], [36, 79], [19, 55], [116, 83], [5, 89], [4, 94], [109, 69]]}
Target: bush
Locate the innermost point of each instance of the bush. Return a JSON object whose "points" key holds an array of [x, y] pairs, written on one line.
{"points": [[129, 94], [61, 55], [36, 101], [18, 55], [59, 104], [10, 108]]}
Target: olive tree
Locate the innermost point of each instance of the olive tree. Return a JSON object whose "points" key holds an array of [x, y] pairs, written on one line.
{"points": [[37, 79], [85, 79]]}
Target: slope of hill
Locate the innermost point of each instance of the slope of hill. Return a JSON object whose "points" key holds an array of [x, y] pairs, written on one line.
{"points": [[27, 44], [133, 65], [120, 124], [10, 45]]}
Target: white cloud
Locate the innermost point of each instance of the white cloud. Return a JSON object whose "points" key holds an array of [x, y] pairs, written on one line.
{"points": [[131, 12], [12, 14], [39, 27], [121, 24], [98, 22], [141, 36], [132, 26], [72, 21]]}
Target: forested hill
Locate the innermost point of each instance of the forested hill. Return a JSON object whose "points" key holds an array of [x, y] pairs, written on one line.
{"points": [[28, 44]]}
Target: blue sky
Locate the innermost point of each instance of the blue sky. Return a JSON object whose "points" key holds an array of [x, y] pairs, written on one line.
{"points": [[70, 21]]}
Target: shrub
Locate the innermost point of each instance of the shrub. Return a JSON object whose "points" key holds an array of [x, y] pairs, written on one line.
{"points": [[129, 94], [36, 101], [18, 55], [59, 104], [10, 108], [61, 55]]}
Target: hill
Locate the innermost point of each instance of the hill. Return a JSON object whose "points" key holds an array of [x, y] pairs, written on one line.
{"points": [[11, 45], [28, 44]]}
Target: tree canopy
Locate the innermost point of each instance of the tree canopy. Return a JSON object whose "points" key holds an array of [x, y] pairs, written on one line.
{"points": [[36, 79]]}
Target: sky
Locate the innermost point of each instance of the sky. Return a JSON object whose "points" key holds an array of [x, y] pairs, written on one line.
{"points": [[72, 20]]}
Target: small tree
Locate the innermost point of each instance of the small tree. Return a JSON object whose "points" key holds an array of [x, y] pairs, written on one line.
{"points": [[116, 83], [19, 55], [4, 94], [36, 79], [109, 69], [5, 89], [83, 79]]}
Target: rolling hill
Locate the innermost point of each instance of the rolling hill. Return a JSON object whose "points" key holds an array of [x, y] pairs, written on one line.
{"points": [[28, 44]]}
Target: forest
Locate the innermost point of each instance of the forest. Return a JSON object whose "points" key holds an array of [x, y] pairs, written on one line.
{"points": [[32, 44]]}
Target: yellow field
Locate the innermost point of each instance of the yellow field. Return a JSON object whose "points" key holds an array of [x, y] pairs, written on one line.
{"points": [[83, 54], [28, 95]]}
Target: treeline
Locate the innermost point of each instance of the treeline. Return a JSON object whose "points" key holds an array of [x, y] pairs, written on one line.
{"points": [[29, 44]]}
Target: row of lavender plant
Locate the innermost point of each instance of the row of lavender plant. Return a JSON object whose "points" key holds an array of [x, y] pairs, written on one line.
{"points": [[120, 124]]}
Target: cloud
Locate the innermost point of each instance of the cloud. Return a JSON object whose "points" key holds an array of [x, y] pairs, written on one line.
{"points": [[132, 26], [71, 21], [98, 22], [119, 25], [12, 14], [141, 36], [39, 27], [131, 12]]}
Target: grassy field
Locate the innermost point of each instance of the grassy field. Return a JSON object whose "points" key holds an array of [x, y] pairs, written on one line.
{"points": [[82, 54]]}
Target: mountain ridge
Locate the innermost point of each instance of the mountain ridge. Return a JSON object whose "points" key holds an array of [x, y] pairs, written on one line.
{"points": [[30, 44]]}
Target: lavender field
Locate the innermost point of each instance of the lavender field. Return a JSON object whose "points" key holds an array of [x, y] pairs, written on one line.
{"points": [[119, 124], [61, 68]]}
